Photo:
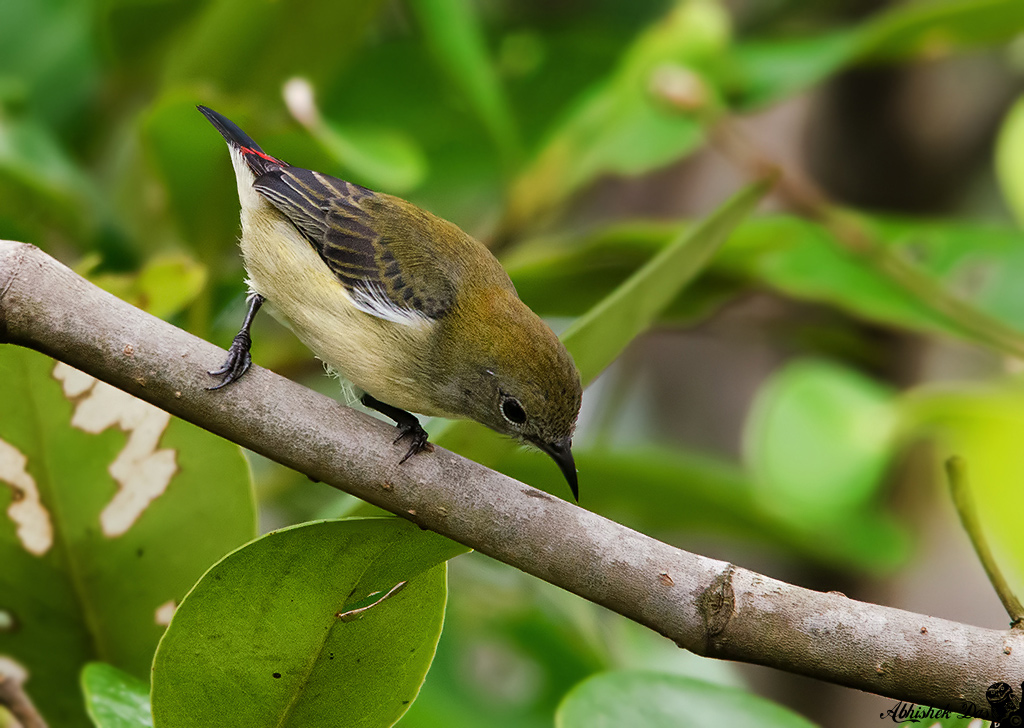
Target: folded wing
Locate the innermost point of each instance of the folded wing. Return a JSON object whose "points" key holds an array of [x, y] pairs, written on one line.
{"points": [[373, 253]]}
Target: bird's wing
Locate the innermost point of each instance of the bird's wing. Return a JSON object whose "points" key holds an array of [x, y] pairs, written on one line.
{"points": [[373, 254]]}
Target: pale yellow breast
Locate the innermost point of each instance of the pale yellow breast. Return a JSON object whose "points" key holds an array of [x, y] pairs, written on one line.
{"points": [[372, 353]]}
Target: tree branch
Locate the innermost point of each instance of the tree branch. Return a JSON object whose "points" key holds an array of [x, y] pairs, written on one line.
{"points": [[706, 606]]}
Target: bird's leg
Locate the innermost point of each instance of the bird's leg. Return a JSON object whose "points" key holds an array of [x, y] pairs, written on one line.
{"points": [[239, 360], [408, 426]]}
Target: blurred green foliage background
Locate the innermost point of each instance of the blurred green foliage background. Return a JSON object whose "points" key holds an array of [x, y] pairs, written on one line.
{"points": [[790, 407]]}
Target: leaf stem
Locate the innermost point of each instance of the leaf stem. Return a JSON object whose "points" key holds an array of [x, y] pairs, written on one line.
{"points": [[956, 473]]}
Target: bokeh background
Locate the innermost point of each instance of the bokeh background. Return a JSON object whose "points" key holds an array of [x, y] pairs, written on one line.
{"points": [[789, 412]]}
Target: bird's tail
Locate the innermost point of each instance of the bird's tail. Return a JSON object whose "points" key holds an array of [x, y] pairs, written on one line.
{"points": [[257, 160]]}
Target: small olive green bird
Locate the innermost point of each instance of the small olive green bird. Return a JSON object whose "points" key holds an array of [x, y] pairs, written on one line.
{"points": [[409, 308]]}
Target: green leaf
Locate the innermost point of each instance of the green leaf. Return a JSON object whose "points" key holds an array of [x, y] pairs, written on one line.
{"points": [[109, 511], [597, 338], [565, 276], [115, 699], [41, 189], [980, 264], [620, 126], [569, 274], [765, 71], [600, 335], [252, 48], [762, 71], [260, 639], [387, 160], [1010, 159], [931, 29], [164, 286], [133, 33], [191, 161], [454, 36], [49, 52], [819, 439], [513, 646], [801, 259], [654, 700]]}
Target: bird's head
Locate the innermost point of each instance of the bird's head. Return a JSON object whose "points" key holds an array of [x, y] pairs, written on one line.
{"points": [[523, 383]]}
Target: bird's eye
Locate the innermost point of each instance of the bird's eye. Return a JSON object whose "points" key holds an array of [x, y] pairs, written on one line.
{"points": [[512, 411]]}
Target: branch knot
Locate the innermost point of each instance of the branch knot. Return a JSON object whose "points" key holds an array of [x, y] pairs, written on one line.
{"points": [[716, 605]]}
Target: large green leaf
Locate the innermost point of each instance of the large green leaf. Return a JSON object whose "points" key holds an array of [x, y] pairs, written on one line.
{"points": [[109, 512], [566, 275], [115, 699], [979, 263], [653, 700], [600, 335], [271, 635], [801, 259], [818, 440]]}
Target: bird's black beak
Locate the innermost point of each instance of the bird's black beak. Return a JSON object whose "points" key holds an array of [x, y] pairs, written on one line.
{"points": [[561, 453]]}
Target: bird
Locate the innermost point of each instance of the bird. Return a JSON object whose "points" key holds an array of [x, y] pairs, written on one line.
{"points": [[417, 314]]}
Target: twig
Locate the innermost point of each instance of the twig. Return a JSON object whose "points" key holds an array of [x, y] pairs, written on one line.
{"points": [[14, 698], [706, 606], [956, 472], [805, 198]]}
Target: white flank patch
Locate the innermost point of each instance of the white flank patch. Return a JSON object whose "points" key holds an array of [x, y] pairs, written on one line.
{"points": [[34, 529], [370, 298], [141, 471]]}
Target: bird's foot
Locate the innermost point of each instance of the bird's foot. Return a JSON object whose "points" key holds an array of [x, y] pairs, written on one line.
{"points": [[417, 439], [408, 426], [238, 362]]}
